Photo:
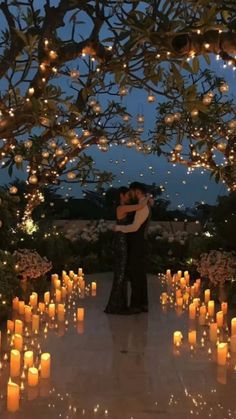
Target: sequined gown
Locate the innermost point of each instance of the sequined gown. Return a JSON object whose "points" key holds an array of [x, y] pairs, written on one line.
{"points": [[117, 303]]}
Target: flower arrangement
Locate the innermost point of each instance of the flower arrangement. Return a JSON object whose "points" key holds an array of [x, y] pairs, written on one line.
{"points": [[218, 266], [179, 236], [30, 265], [91, 233]]}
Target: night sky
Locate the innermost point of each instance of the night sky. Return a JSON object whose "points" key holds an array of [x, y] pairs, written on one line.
{"points": [[181, 189]]}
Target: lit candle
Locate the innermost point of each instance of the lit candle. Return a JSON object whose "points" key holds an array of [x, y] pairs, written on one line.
{"points": [[192, 337], [47, 297], [10, 326], [177, 338], [202, 315], [207, 295], [57, 283], [94, 288], [34, 299], [54, 277], [35, 322], [180, 301], [164, 298], [224, 308], [18, 342], [233, 326], [18, 327], [179, 273], [186, 297], [233, 343], [80, 314], [213, 332], [192, 291], [58, 296], [14, 363], [28, 359], [80, 272], [211, 308], [220, 318], [182, 282], [33, 377], [63, 292], [192, 311], [70, 286], [197, 302], [45, 365], [66, 279], [28, 314], [13, 397], [178, 294], [71, 274], [222, 350], [51, 310], [61, 312], [41, 307], [15, 303], [186, 273], [21, 307]]}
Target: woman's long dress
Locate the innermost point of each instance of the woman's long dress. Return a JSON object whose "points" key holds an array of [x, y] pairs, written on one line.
{"points": [[117, 303]]}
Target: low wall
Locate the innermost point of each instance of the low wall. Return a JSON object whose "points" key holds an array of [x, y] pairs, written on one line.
{"points": [[170, 226]]}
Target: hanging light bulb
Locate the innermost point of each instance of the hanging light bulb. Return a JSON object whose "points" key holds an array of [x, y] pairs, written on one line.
{"points": [[103, 140], [33, 179], [151, 98], [45, 154], [123, 91], [140, 118], [28, 144], [194, 113], [126, 117], [169, 119], [224, 87], [71, 175], [13, 190], [18, 158]]}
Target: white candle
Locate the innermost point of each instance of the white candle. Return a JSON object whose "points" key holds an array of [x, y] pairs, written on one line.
{"points": [[28, 359], [233, 326], [33, 377], [13, 397], [15, 303], [80, 271], [80, 314], [10, 326], [192, 311], [211, 308], [220, 318], [192, 337], [207, 294], [45, 365], [34, 299], [61, 312], [177, 338], [18, 327], [35, 322], [224, 308], [58, 296], [222, 350], [51, 310], [18, 342], [47, 297], [28, 314], [213, 332], [14, 363], [21, 307]]}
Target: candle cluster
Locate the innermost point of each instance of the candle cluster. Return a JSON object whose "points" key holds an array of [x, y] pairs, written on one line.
{"points": [[30, 322], [207, 325]]}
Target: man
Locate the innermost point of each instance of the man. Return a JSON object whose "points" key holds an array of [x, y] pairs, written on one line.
{"points": [[137, 251]]}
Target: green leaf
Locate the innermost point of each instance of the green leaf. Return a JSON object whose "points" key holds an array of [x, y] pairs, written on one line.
{"points": [[207, 58]]}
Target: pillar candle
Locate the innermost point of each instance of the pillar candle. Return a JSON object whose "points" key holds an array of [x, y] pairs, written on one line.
{"points": [[51, 310], [192, 337], [224, 308], [192, 291], [197, 302], [66, 279], [222, 351], [28, 359], [57, 284], [207, 295], [179, 273], [15, 303], [180, 301], [33, 377], [220, 318], [186, 273], [61, 312], [233, 326], [192, 311], [70, 286], [54, 277], [211, 308], [35, 322], [58, 296], [34, 299], [47, 297], [28, 314], [18, 327], [164, 298], [45, 365], [10, 326], [18, 342], [80, 271], [186, 297], [202, 315], [233, 343], [182, 282], [213, 332], [14, 363], [63, 292], [178, 294], [13, 397], [80, 314], [41, 307], [94, 288], [21, 307], [177, 338]]}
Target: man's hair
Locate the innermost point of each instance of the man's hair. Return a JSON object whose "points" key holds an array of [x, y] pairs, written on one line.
{"points": [[138, 186]]}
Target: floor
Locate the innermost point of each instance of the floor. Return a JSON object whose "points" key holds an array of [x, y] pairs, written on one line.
{"points": [[125, 367]]}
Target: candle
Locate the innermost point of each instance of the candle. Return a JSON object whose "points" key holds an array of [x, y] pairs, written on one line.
{"points": [[180, 301], [63, 292], [233, 326], [34, 299], [94, 288], [33, 377], [211, 308], [80, 314], [222, 350], [61, 312], [179, 273], [35, 322], [177, 338], [47, 297], [18, 342], [14, 363], [192, 337], [28, 359], [192, 291], [164, 298], [58, 296], [178, 294], [28, 314], [41, 307], [207, 295], [70, 286], [18, 327], [186, 273], [45, 365], [13, 397], [220, 318], [182, 282], [66, 279], [10, 326], [192, 311], [21, 307], [80, 272], [54, 277], [51, 310], [224, 308], [15, 303], [186, 297], [57, 283], [202, 315], [197, 302], [213, 332], [233, 343]]}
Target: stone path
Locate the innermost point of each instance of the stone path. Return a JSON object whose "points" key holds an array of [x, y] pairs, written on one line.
{"points": [[124, 367]]}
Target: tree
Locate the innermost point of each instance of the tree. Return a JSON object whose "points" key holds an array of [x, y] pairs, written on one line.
{"points": [[64, 69]]}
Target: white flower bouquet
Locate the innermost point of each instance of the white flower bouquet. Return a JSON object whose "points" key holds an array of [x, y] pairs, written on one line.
{"points": [[218, 266], [30, 265]]}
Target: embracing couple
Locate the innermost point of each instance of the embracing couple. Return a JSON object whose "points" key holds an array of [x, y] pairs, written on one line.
{"points": [[130, 252]]}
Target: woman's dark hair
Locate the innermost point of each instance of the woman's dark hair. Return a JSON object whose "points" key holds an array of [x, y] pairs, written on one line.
{"points": [[138, 186], [122, 190]]}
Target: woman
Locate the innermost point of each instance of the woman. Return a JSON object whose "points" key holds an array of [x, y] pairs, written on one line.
{"points": [[117, 303]]}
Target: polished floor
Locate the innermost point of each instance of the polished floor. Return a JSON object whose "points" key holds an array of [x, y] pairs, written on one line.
{"points": [[124, 367]]}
